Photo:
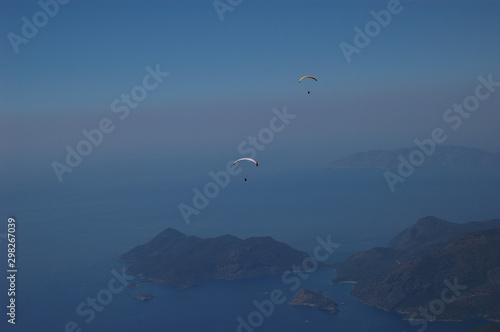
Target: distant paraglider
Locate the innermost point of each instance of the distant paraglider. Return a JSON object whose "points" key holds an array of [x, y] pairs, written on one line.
{"points": [[246, 159], [314, 78], [311, 77]]}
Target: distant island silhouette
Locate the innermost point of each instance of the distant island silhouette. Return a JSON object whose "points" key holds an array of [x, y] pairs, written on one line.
{"points": [[174, 259]]}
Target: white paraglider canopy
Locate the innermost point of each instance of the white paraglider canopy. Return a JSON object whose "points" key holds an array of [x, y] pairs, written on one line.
{"points": [[247, 159]]}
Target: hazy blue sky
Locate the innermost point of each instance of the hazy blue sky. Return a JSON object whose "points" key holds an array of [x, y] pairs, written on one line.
{"points": [[226, 76]]}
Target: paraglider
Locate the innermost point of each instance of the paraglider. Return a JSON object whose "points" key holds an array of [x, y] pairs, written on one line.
{"points": [[314, 78], [311, 77], [249, 159], [246, 159]]}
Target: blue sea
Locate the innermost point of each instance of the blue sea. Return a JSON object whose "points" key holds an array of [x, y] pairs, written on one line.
{"points": [[70, 236]]}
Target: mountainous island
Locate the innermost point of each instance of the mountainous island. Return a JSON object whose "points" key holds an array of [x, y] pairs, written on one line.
{"points": [[174, 259], [434, 269], [454, 267], [447, 155], [314, 299]]}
